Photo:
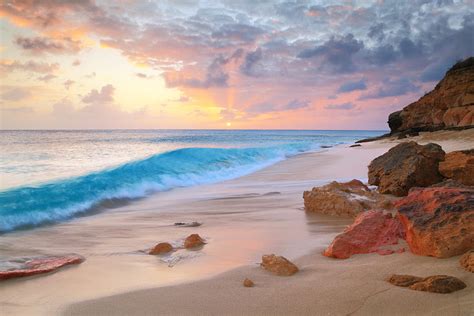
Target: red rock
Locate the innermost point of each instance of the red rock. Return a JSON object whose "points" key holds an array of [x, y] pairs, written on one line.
{"points": [[439, 284], [192, 241], [450, 104], [278, 265], [248, 283], [459, 166], [38, 265], [162, 247], [370, 231], [438, 221], [467, 261], [343, 199], [405, 166]]}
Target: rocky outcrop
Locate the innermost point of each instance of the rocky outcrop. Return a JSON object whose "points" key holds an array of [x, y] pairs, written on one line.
{"points": [[405, 166], [23, 267], [435, 284], [161, 248], [370, 232], [278, 265], [343, 199], [459, 166], [467, 261], [449, 105], [438, 221], [193, 241]]}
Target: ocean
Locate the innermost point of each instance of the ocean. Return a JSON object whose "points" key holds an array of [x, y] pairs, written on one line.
{"points": [[52, 176]]}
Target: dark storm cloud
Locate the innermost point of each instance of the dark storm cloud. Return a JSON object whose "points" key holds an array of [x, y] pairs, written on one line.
{"points": [[392, 88], [352, 86], [337, 52]]}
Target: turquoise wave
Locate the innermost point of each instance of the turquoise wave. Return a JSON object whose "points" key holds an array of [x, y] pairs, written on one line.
{"points": [[55, 201]]}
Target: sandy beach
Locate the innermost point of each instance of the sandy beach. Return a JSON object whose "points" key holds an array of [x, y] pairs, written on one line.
{"points": [[244, 218]]}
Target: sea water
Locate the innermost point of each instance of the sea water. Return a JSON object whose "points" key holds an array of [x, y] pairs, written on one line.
{"points": [[51, 176]]}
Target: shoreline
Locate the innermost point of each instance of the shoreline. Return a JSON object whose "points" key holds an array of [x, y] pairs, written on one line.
{"points": [[241, 222]]}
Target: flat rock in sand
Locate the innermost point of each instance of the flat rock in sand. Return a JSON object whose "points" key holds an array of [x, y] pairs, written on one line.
{"points": [[278, 265], [467, 261], [23, 267]]}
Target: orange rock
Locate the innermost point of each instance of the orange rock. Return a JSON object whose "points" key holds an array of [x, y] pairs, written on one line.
{"points": [[278, 265], [405, 166], [370, 231], [439, 284], [343, 199], [450, 104], [192, 241], [162, 247], [248, 283], [438, 221], [459, 166], [38, 265], [467, 261]]}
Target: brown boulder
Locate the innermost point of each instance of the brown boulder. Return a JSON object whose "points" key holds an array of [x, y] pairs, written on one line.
{"points": [[450, 104], [403, 280], [22, 267], [438, 221], [370, 232], [343, 199], [467, 261], [248, 283], [439, 284], [192, 241], [405, 166], [278, 265], [459, 166], [162, 247]]}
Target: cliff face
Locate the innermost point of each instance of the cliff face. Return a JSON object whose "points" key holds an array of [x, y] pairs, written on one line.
{"points": [[449, 105]]}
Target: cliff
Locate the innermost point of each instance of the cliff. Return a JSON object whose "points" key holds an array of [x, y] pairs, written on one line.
{"points": [[450, 105]]}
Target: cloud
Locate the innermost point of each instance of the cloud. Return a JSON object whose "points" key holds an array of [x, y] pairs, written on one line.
{"points": [[105, 95], [296, 104], [15, 94], [250, 60], [353, 86], [76, 62], [30, 66], [266, 107], [68, 83], [142, 75], [40, 45], [392, 88], [47, 78], [337, 52], [341, 106]]}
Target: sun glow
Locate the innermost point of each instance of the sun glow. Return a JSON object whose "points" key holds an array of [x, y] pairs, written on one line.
{"points": [[228, 124]]}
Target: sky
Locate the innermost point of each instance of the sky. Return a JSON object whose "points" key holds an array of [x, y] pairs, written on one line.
{"points": [[243, 64]]}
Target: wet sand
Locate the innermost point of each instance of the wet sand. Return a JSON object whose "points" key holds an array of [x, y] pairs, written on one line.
{"points": [[243, 219]]}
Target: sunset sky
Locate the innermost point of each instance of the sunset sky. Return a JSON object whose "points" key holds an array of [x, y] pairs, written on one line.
{"points": [[223, 64]]}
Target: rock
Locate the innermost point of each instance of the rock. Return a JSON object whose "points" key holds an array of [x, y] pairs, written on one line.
{"points": [[438, 221], [370, 231], [23, 267], [450, 104], [467, 261], [191, 224], [403, 280], [162, 247], [459, 166], [439, 284], [343, 199], [278, 265], [355, 145], [405, 166], [192, 241], [248, 283]]}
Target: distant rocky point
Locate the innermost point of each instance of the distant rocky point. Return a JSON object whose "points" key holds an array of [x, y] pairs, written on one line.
{"points": [[449, 106]]}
